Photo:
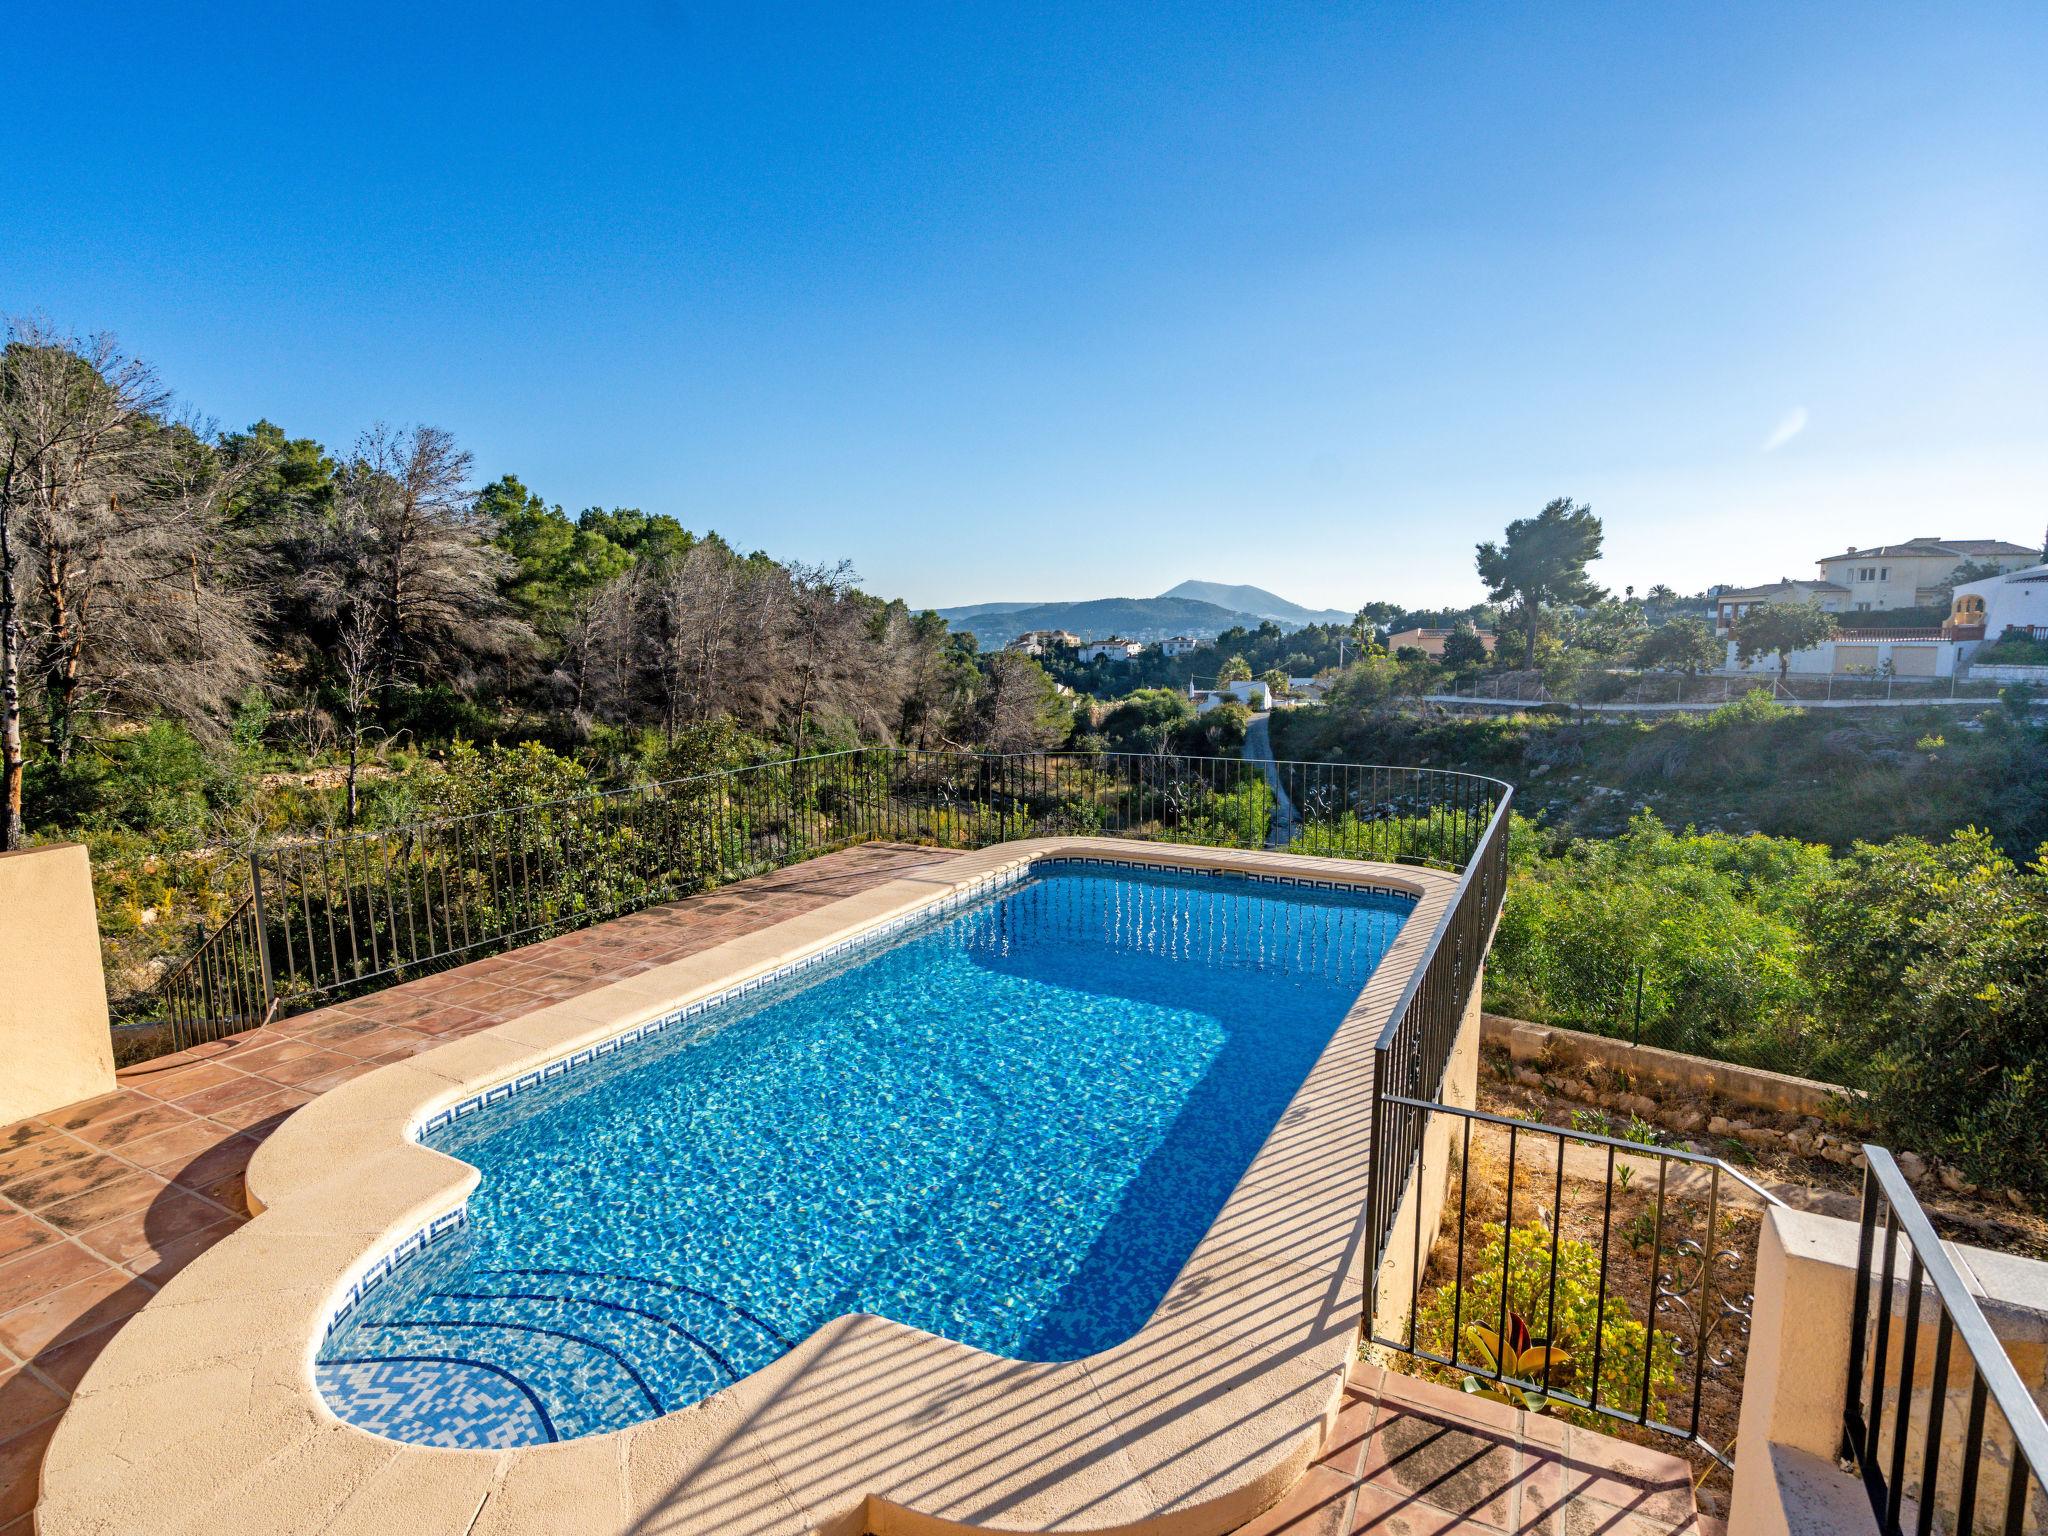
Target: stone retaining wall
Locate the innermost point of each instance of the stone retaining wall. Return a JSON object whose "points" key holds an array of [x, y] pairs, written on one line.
{"points": [[1752, 1086]]}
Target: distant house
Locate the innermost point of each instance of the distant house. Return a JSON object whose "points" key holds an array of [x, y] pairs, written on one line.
{"points": [[1987, 609], [1115, 648], [1178, 645], [1912, 574], [1731, 603], [1251, 692], [1039, 642], [1431, 641], [1310, 690]]}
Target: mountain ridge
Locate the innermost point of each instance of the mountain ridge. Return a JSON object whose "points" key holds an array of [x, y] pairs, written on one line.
{"points": [[1182, 610]]}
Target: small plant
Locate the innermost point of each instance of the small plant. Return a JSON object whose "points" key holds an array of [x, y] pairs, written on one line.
{"points": [[1643, 1133], [1593, 1122], [1623, 1172], [1640, 1230], [1520, 1355]]}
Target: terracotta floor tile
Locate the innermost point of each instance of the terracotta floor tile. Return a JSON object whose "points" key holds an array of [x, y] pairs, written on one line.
{"points": [[66, 1364], [65, 1181], [384, 1038], [1380, 1512], [266, 1058], [174, 1214], [1345, 1451], [21, 1464], [1318, 1505], [1651, 1484], [187, 1080], [110, 1201], [334, 1079], [19, 1133], [108, 1106], [336, 1032], [22, 1233], [115, 1135], [24, 1279], [211, 1101], [31, 1157], [60, 1316], [26, 1402], [1443, 1463], [175, 1148], [300, 1069], [223, 1162], [264, 1114], [439, 1023]]}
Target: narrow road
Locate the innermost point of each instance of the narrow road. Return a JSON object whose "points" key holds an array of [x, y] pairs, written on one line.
{"points": [[1258, 748]]}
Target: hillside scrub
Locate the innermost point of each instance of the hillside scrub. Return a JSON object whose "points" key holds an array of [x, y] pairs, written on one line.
{"points": [[1828, 777], [1913, 969]]}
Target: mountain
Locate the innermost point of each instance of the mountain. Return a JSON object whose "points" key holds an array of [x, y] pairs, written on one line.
{"points": [[1183, 611], [1256, 600]]}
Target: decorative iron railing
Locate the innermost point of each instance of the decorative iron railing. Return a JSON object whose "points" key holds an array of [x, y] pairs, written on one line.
{"points": [[337, 915], [1635, 1262], [1947, 1482], [1414, 1047]]}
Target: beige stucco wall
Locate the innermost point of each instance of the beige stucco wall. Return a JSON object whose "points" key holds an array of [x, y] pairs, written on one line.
{"points": [[1394, 1285], [1798, 1375], [53, 994]]}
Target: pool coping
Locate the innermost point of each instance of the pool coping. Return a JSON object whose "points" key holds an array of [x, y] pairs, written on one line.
{"points": [[1197, 1422]]}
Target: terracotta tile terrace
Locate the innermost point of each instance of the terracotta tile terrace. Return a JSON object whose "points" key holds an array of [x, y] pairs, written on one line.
{"points": [[103, 1202]]}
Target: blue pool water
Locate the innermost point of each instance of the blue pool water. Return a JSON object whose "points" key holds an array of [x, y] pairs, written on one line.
{"points": [[1009, 1125]]}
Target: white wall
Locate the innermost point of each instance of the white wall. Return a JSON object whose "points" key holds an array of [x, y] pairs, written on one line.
{"points": [[1820, 661], [2009, 602]]}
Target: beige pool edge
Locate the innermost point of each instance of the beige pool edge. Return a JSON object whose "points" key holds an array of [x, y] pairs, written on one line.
{"points": [[202, 1414]]}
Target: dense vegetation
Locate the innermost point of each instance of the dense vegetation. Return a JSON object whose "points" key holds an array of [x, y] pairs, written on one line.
{"points": [[1819, 913], [1915, 969], [1750, 766], [209, 639]]}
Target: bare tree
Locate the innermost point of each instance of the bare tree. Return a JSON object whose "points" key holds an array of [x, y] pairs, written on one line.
{"points": [[119, 590], [359, 675], [1018, 709], [406, 533], [821, 622]]}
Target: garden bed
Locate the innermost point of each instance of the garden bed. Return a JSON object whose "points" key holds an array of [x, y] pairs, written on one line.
{"points": [[1804, 1152]]}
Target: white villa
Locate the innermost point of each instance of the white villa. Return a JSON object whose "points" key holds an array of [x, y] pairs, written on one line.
{"points": [[2014, 600], [1116, 648], [1893, 576], [1178, 645], [1040, 642]]}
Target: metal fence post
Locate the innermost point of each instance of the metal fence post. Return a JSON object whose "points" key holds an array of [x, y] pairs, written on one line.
{"points": [[258, 912]]}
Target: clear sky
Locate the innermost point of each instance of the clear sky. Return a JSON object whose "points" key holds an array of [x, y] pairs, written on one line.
{"points": [[1069, 301]]}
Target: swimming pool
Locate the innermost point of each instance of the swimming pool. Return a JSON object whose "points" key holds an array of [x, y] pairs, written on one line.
{"points": [[1008, 1123]]}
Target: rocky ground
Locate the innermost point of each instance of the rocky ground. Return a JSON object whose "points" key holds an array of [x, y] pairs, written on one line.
{"points": [[1803, 1151]]}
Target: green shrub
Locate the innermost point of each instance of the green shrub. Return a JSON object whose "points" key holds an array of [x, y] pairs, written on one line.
{"points": [[1931, 965], [159, 779], [1623, 1340]]}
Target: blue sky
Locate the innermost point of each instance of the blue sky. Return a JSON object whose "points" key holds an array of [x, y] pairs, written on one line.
{"points": [[1073, 301]]}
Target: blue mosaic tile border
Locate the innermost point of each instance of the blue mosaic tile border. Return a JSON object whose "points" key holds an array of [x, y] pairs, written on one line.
{"points": [[452, 1221]]}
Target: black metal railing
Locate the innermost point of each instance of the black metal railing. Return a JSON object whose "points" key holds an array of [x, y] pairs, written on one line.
{"points": [[1946, 1482], [331, 916], [1415, 1045], [1635, 1261]]}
